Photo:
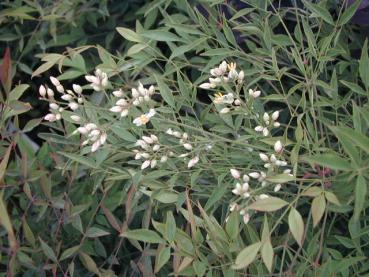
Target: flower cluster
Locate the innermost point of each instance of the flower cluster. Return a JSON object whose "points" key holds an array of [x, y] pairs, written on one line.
{"points": [[269, 122], [73, 97], [98, 81], [242, 187], [223, 74], [141, 94], [184, 142], [93, 135], [149, 151]]}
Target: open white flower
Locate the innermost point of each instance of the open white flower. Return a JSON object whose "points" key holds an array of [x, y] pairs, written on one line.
{"points": [[144, 118]]}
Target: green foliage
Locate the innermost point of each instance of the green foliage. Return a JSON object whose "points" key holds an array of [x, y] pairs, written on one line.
{"points": [[119, 218]]}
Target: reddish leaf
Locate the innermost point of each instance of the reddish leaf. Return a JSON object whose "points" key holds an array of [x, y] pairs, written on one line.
{"points": [[6, 70]]}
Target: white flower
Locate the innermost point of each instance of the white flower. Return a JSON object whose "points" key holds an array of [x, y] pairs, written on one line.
{"points": [[54, 81], [193, 161], [187, 146], [73, 106], [50, 117], [75, 118], [144, 118], [263, 157], [233, 207], [42, 91], [277, 187], [77, 89], [145, 164], [278, 147], [237, 102], [163, 159], [254, 175], [241, 190], [254, 94], [118, 93], [169, 132], [275, 115], [224, 110], [235, 173]]}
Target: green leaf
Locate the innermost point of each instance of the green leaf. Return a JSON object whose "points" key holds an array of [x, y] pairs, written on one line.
{"points": [[233, 225], [94, 232], [363, 65], [361, 191], [331, 160], [143, 235], [4, 163], [269, 204], [332, 198], [80, 159], [69, 252], [48, 251], [247, 256], [318, 208], [162, 257], [136, 49], [170, 227], [280, 178], [17, 92], [89, 263], [160, 35], [349, 13], [267, 254], [296, 225], [129, 34], [165, 91], [320, 12], [357, 138]]}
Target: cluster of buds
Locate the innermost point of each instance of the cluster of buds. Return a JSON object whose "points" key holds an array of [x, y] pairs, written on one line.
{"points": [[98, 81], [94, 135], [183, 141], [121, 106], [269, 122], [73, 97], [141, 94], [149, 152], [223, 74]]}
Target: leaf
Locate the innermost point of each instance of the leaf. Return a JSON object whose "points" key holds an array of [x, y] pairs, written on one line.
{"points": [[320, 12], [361, 191], [143, 235], [17, 92], [44, 67], [6, 71], [267, 254], [170, 227], [94, 232], [296, 225], [349, 13], [162, 257], [363, 65], [136, 49], [233, 225], [129, 34], [247, 256], [160, 35], [332, 198], [48, 251], [165, 91], [318, 208], [357, 138], [89, 263], [69, 252], [5, 221], [79, 159], [269, 204], [331, 160], [280, 178], [4, 162]]}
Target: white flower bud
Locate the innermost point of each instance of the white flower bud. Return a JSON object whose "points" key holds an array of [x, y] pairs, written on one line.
{"points": [[54, 106], [116, 109], [163, 159], [42, 91], [193, 161], [275, 115], [224, 110], [154, 163], [265, 117], [235, 173], [136, 103], [103, 138], [246, 218], [118, 93], [207, 86], [60, 89], [177, 134], [73, 106], [265, 132], [254, 175], [54, 81], [145, 164], [259, 128], [154, 138], [277, 187], [82, 130], [75, 118], [187, 146], [237, 102], [77, 89], [50, 92], [58, 116], [121, 102], [67, 97], [135, 93], [90, 126], [138, 156], [145, 155], [245, 178], [156, 147], [273, 158], [124, 113], [278, 147], [241, 76], [95, 146], [147, 139], [276, 124], [50, 117], [80, 100], [263, 196], [263, 157]]}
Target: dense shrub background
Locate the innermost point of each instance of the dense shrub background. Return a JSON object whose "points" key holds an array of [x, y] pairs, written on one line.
{"points": [[67, 208]]}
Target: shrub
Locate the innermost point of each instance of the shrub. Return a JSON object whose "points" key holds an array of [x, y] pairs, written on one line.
{"points": [[223, 142]]}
